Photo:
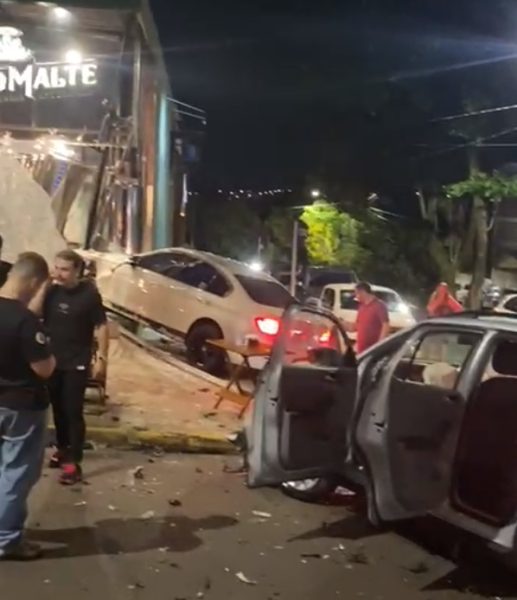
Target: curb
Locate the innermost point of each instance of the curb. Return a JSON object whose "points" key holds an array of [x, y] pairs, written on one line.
{"points": [[188, 443]]}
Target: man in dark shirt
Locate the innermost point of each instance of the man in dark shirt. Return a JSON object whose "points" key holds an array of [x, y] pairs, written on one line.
{"points": [[74, 316], [25, 362]]}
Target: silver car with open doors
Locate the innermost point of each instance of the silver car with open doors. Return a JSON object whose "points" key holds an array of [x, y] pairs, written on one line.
{"points": [[426, 420]]}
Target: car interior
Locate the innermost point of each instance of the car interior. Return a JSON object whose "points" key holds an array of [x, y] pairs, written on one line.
{"points": [[485, 483], [316, 399]]}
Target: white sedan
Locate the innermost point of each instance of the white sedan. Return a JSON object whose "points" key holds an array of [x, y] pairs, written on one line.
{"points": [[340, 299], [195, 295]]}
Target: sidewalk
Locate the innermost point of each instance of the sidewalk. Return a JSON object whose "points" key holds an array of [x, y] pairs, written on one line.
{"points": [[155, 403]]}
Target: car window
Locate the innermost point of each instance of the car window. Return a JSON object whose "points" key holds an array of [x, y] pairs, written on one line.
{"points": [[265, 291], [165, 263], [203, 276], [437, 358], [314, 339], [329, 296], [511, 304], [391, 299]]}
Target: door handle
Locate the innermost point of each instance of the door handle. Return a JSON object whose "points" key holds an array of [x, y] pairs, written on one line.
{"points": [[454, 397], [330, 377]]}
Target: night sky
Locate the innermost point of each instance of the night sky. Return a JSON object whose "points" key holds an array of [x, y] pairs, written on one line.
{"points": [[292, 88]]}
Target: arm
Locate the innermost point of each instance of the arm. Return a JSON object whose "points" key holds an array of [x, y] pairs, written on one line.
{"points": [[101, 336], [35, 347], [37, 304], [385, 319]]}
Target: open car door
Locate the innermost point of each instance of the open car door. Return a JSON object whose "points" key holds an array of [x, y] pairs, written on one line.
{"points": [[304, 401], [410, 422]]}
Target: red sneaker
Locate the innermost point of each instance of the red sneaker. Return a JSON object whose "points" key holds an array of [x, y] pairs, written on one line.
{"points": [[71, 474]]}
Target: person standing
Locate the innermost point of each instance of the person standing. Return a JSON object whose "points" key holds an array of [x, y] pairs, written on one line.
{"points": [[75, 317], [442, 302], [372, 322], [25, 362]]}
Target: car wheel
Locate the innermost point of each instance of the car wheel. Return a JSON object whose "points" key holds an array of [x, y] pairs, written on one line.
{"points": [[202, 354], [310, 490]]}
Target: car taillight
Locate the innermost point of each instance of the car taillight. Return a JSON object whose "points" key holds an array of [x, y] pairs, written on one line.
{"points": [[267, 325], [325, 337]]}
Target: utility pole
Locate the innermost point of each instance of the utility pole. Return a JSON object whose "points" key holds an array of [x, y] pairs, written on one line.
{"points": [[294, 258]]}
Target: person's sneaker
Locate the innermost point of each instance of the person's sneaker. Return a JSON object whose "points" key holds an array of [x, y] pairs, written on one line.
{"points": [[71, 474], [24, 551], [56, 461]]}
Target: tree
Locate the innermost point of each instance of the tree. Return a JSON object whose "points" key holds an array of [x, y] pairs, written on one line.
{"points": [[332, 235], [485, 193]]}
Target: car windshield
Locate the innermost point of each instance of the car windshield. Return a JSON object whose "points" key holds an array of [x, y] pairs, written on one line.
{"points": [[264, 291], [391, 299]]}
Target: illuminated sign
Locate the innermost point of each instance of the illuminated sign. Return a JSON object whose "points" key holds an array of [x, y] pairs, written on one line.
{"points": [[32, 77]]}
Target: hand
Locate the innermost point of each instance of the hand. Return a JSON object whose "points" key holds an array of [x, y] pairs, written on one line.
{"points": [[99, 369]]}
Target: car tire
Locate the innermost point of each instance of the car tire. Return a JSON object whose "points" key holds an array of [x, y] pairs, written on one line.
{"points": [[200, 353], [310, 490]]}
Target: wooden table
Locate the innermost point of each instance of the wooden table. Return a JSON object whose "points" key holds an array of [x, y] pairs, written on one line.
{"points": [[246, 352]]}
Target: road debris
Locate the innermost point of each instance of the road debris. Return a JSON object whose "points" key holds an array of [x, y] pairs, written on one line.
{"points": [[135, 474], [136, 586], [175, 503], [82, 503], [112, 508], [262, 515], [242, 578], [419, 568], [148, 515]]}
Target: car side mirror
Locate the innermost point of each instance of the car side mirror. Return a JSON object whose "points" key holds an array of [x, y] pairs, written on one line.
{"points": [[133, 261]]}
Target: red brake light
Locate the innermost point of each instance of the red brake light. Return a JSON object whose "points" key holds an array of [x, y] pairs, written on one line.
{"points": [[325, 337], [268, 325]]}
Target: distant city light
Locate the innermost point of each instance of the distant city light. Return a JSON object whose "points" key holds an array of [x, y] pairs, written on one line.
{"points": [[257, 266], [73, 57]]}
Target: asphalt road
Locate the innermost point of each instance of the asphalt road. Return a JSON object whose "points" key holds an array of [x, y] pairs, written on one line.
{"points": [[189, 530]]}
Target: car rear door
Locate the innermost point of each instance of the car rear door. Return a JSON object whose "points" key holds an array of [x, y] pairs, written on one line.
{"points": [[304, 401], [409, 425]]}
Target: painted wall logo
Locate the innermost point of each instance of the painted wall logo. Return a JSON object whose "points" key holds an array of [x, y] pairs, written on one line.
{"points": [[28, 77]]}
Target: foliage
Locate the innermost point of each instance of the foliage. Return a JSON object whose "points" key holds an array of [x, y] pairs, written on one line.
{"points": [[488, 187], [332, 235]]}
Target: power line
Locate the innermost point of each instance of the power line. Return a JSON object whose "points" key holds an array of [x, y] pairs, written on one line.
{"points": [[476, 113]]}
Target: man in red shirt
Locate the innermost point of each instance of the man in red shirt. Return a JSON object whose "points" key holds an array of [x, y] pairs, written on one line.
{"points": [[372, 324]]}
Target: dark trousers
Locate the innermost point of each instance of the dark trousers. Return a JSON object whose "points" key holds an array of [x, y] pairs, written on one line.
{"points": [[67, 390]]}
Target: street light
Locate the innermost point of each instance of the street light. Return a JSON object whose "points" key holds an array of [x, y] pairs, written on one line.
{"points": [[315, 193], [73, 57], [60, 13], [256, 266]]}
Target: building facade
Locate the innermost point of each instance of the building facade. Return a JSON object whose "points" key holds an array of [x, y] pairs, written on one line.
{"points": [[85, 107]]}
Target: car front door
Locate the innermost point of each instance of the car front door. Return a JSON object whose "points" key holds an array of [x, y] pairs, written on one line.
{"points": [[304, 401], [410, 422]]}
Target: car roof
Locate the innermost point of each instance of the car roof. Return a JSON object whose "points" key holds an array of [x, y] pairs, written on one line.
{"points": [[488, 321], [235, 267], [350, 287]]}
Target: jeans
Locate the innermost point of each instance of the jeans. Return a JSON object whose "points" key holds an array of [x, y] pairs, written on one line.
{"points": [[67, 390], [22, 445]]}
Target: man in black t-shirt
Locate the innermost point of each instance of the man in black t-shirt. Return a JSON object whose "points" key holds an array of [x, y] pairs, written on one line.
{"points": [[25, 362], [74, 316]]}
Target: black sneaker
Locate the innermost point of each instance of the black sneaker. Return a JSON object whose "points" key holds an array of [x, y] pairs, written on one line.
{"points": [[56, 461], [71, 474], [24, 551]]}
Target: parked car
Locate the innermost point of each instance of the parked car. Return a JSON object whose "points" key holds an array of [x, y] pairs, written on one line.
{"points": [[195, 295], [508, 304], [425, 422], [340, 299]]}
